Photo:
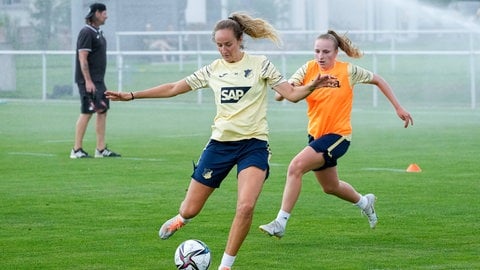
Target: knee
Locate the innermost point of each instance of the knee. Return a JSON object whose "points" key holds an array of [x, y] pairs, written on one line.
{"points": [[329, 190], [245, 210], [295, 168]]}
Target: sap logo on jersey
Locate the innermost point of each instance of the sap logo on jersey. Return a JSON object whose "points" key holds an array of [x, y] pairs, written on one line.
{"points": [[233, 94]]}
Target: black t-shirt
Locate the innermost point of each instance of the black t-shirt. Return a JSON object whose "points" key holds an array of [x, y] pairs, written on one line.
{"points": [[94, 42]]}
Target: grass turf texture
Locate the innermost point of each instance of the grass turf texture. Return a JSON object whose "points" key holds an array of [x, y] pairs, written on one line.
{"points": [[59, 213]]}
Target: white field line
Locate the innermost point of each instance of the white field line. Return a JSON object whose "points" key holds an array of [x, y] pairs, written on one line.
{"points": [[143, 159], [383, 169], [186, 135], [162, 136], [31, 154], [53, 155], [61, 141], [277, 165], [160, 159]]}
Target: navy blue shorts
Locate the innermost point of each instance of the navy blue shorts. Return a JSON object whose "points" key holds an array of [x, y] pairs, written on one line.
{"points": [[333, 146], [93, 102], [218, 159]]}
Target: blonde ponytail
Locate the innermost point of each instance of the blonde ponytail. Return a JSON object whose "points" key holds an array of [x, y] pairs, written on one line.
{"points": [[256, 28], [342, 42]]}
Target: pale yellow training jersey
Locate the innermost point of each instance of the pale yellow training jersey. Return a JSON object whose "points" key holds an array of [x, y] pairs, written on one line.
{"points": [[240, 91]]}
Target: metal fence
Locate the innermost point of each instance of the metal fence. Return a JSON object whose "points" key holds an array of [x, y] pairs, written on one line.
{"points": [[435, 67]]}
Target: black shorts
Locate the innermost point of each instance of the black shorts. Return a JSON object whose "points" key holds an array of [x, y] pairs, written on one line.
{"points": [[93, 102], [333, 146]]}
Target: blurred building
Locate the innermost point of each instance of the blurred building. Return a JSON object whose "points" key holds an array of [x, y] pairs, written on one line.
{"points": [[15, 14]]}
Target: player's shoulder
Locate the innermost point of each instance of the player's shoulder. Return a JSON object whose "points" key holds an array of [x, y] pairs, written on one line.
{"points": [[258, 61], [256, 57]]}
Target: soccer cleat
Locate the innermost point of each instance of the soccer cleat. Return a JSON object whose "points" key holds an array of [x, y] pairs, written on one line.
{"points": [[369, 210], [79, 153], [224, 268], [170, 227], [105, 153], [273, 229]]}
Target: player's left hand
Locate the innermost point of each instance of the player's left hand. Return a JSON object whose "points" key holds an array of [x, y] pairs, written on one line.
{"points": [[405, 116], [326, 80]]}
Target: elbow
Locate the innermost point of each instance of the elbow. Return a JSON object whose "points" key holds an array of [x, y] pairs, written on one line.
{"points": [[174, 89], [293, 100], [288, 96]]}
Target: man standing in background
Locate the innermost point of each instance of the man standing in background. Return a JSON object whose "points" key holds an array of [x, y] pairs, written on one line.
{"points": [[91, 63]]}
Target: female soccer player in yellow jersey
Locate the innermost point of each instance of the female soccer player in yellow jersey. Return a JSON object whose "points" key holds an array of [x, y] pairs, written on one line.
{"points": [[329, 128], [239, 134]]}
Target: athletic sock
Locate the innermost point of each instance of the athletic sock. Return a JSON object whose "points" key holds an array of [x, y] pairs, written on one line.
{"points": [[362, 203], [184, 220], [282, 218], [227, 261]]}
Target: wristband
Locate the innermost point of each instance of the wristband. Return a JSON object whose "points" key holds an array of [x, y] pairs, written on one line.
{"points": [[133, 97]]}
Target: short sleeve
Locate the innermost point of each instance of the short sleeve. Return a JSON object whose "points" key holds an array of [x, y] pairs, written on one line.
{"points": [[271, 74], [359, 74], [199, 79]]}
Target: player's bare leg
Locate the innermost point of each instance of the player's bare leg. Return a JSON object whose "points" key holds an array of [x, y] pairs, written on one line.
{"points": [[250, 183]]}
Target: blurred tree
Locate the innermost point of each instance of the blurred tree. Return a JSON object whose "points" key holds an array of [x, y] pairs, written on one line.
{"points": [[437, 2], [9, 31], [51, 22]]}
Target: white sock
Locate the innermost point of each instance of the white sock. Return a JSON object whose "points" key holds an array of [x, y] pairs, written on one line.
{"points": [[282, 218], [184, 220], [362, 203], [227, 261]]}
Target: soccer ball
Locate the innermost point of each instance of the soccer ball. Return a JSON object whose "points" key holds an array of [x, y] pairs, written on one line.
{"points": [[192, 255]]}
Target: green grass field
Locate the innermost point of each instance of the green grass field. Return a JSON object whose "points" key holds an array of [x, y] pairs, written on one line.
{"points": [[58, 213]]}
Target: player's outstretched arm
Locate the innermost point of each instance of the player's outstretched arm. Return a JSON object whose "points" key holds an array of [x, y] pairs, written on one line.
{"points": [[161, 91], [297, 93]]}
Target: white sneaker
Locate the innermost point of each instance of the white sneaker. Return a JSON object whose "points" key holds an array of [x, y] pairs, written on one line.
{"points": [[273, 229], [369, 210], [79, 153], [170, 227], [105, 153]]}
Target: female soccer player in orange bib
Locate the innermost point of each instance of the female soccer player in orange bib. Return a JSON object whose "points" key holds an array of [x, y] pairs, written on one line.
{"points": [[329, 128]]}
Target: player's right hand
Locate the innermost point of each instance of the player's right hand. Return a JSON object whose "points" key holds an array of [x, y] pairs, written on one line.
{"points": [[118, 96]]}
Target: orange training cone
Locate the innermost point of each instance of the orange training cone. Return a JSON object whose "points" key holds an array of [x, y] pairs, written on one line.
{"points": [[413, 168]]}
